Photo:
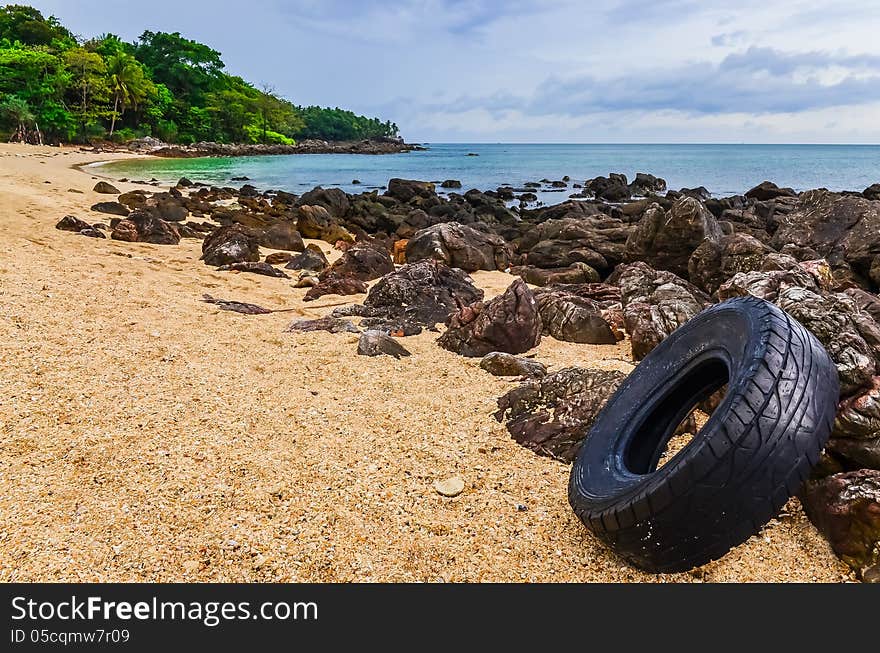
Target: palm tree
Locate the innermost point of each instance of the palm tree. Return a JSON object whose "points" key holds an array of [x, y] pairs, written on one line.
{"points": [[128, 84]]}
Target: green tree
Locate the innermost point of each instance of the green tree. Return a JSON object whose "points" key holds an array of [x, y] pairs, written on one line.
{"points": [[128, 83], [16, 113], [40, 78], [26, 25], [89, 90]]}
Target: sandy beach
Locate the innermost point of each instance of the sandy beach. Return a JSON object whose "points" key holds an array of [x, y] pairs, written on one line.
{"points": [[147, 436]]}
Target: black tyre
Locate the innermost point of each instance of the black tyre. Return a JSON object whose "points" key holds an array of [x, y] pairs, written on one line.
{"points": [[753, 453]]}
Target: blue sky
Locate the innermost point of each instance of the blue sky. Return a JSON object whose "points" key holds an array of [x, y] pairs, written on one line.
{"points": [[759, 71]]}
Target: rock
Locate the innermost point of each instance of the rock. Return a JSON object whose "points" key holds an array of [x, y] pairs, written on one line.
{"points": [[861, 453], [311, 258], [867, 302], [613, 188], [355, 182], [655, 303], [449, 487], [92, 233], [509, 323], [406, 190], [151, 229], [499, 363], [398, 252], [184, 183], [104, 188], [281, 235], [335, 285], [845, 508], [571, 318], [330, 324], [645, 183], [112, 208], [716, 261], [233, 244], [254, 267], [766, 284], [334, 200], [167, 208], [278, 258], [552, 416], [306, 279], [872, 192], [316, 222], [598, 241], [858, 416], [451, 183], [419, 294], [363, 262], [575, 273], [72, 223], [377, 343], [125, 230], [667, 239], [767, 190], [459, 246]]}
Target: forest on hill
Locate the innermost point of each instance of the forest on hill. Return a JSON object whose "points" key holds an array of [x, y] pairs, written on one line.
{"points": [[55, 87]]}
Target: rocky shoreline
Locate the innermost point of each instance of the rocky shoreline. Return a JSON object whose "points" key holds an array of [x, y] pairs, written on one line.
{"points": [[593, 270], [155, 147]]}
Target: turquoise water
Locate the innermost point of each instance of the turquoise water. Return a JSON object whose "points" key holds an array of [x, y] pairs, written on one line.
{"points": [[723, 169]]}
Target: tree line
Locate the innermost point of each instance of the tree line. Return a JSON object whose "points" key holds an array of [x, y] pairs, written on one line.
{"points": [[57, 88]]}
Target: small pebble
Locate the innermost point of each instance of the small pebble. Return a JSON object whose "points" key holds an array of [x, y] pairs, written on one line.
{"points": [[450, 487]]}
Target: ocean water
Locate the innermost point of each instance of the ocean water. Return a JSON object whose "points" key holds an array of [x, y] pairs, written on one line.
{"points": [[723, 169]]}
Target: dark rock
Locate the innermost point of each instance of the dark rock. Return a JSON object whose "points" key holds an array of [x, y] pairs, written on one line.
{"points": [[451, 183], [233, 244], [355, 182], [316, 222], [92, 233], [499, 363], [333, 199], [716, 261], [104, 188], [767, 190], [282, 234], [858, 416], [459, 246], [125, 230], [184, 183], [113, 208], [151, 229], [405, 190], [613, 188], [312, 258], [509, 323], [846, 510], [857, 452], [667, 239], [335, 285], [568, 317], [645, 183], [655, 303], [363, 262], [700, 193], [420, 294], [575, 273], [330, 324], [72, 223], [872, 192], [377, 343], [599, 242], [553, 415], [254, 267]]}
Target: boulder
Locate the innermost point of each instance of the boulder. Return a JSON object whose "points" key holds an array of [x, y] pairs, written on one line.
{"points": [[363, 262], [767, 190], [613, 188], [716, 261], [645, 183], [667, 239], [314, 221], [72, 223], [575, 273], [232, 244], [845, 508], [335, 285], [858, 416], [334, 200], [508, 323], [499, 363], [151, 229], [552, 416], [872, 192], [598, 241], [569, 317], [125, 230], [451, 183], [405, 190], [311, 258], [111, 208], [282, 235], [655, 303], [105, 188], [458, 246]]}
